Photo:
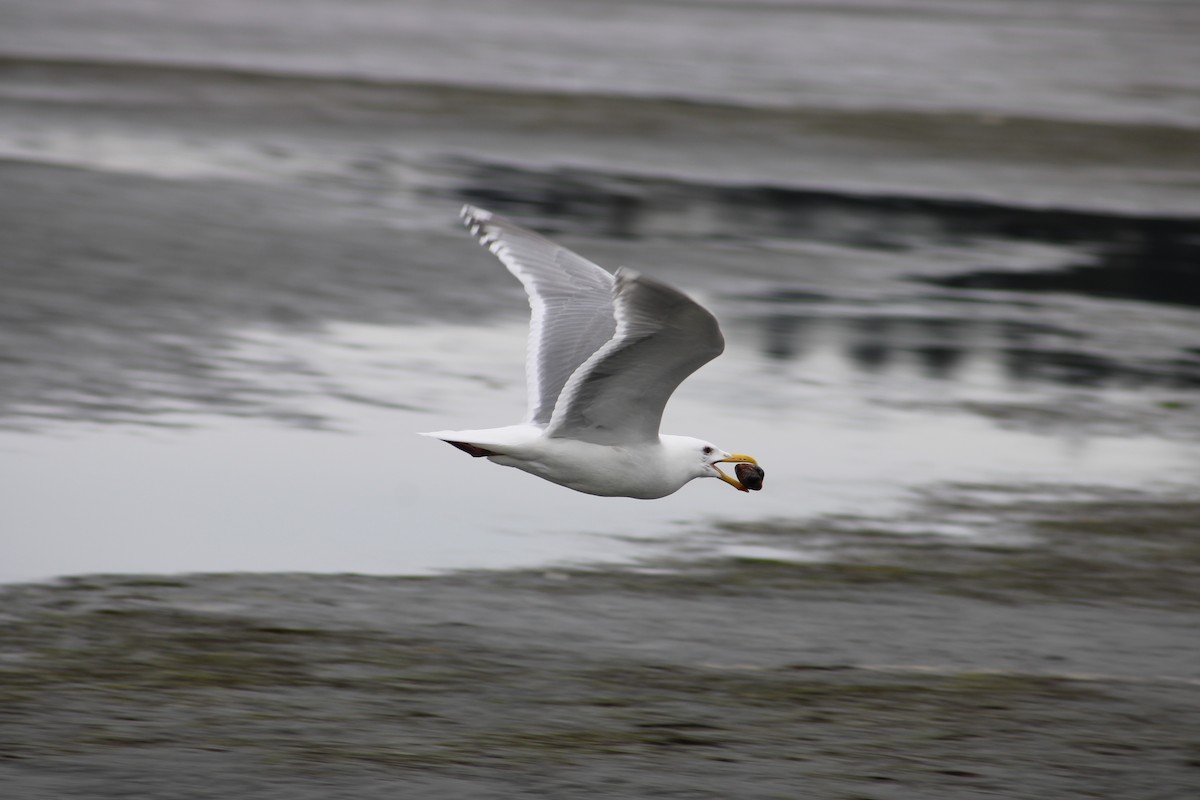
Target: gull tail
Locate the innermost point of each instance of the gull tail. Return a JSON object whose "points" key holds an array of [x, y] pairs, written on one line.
{"points": [[472, 450], [485, 443], [455, 438]]}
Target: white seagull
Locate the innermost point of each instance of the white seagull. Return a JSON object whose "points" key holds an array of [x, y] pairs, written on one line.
{"points": [[605, 353]]}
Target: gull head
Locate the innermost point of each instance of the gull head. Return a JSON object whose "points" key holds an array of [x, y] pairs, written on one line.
{"points": [[703, 457]]}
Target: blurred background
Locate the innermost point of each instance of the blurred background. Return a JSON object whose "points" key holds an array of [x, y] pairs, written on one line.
{"points": [[953, 245]]}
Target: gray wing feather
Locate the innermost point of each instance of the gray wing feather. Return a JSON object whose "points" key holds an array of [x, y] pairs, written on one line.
{"points": [[571, 303], [618, 395]]}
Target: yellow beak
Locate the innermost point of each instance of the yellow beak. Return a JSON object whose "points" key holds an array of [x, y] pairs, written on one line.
{"points": [[735, 458]]}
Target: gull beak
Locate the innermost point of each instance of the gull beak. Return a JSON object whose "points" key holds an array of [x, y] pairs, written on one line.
{"points": [[735, 458]]}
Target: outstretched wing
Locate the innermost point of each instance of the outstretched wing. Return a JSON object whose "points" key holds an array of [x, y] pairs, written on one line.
{"points": [[571, 300], [617, 396]]}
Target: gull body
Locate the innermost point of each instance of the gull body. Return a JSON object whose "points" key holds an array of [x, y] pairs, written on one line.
{"points": [[605, 353]]}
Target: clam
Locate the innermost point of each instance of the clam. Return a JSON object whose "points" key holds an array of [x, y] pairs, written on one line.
{"points": [[751, 476]]}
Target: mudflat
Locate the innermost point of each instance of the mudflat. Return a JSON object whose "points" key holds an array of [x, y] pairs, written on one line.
{"points": [[1063, 670]]}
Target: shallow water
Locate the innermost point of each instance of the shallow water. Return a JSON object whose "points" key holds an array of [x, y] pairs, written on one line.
{"points": [[235, 287], [334, 480]]}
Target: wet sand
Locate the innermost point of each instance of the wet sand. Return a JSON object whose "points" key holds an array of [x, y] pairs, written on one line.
{"points": [[947, 672]]}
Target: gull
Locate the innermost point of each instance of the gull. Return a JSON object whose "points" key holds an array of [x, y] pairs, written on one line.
{"points": [[605, 352]]}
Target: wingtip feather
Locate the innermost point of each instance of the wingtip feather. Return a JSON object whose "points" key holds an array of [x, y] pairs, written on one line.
{"points": [[476, 219], [472, 213]]}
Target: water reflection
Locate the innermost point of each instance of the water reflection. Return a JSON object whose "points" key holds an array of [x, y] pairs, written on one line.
{"points": [[1155, 259], [945, 349], [234, 493], [786, 336], [940, 354], [1158, 264]]}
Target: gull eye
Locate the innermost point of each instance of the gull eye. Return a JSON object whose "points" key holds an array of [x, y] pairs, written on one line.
{"points": [[708, 451]]}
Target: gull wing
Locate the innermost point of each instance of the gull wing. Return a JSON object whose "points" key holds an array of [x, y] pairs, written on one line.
{"points": [[571, 300], [617, 396]]}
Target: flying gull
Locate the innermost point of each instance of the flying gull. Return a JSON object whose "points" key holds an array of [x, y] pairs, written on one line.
{"points": [[605, 353]]}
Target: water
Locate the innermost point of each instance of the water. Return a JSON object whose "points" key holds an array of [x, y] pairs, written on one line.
{"points": [[234, 285]]}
